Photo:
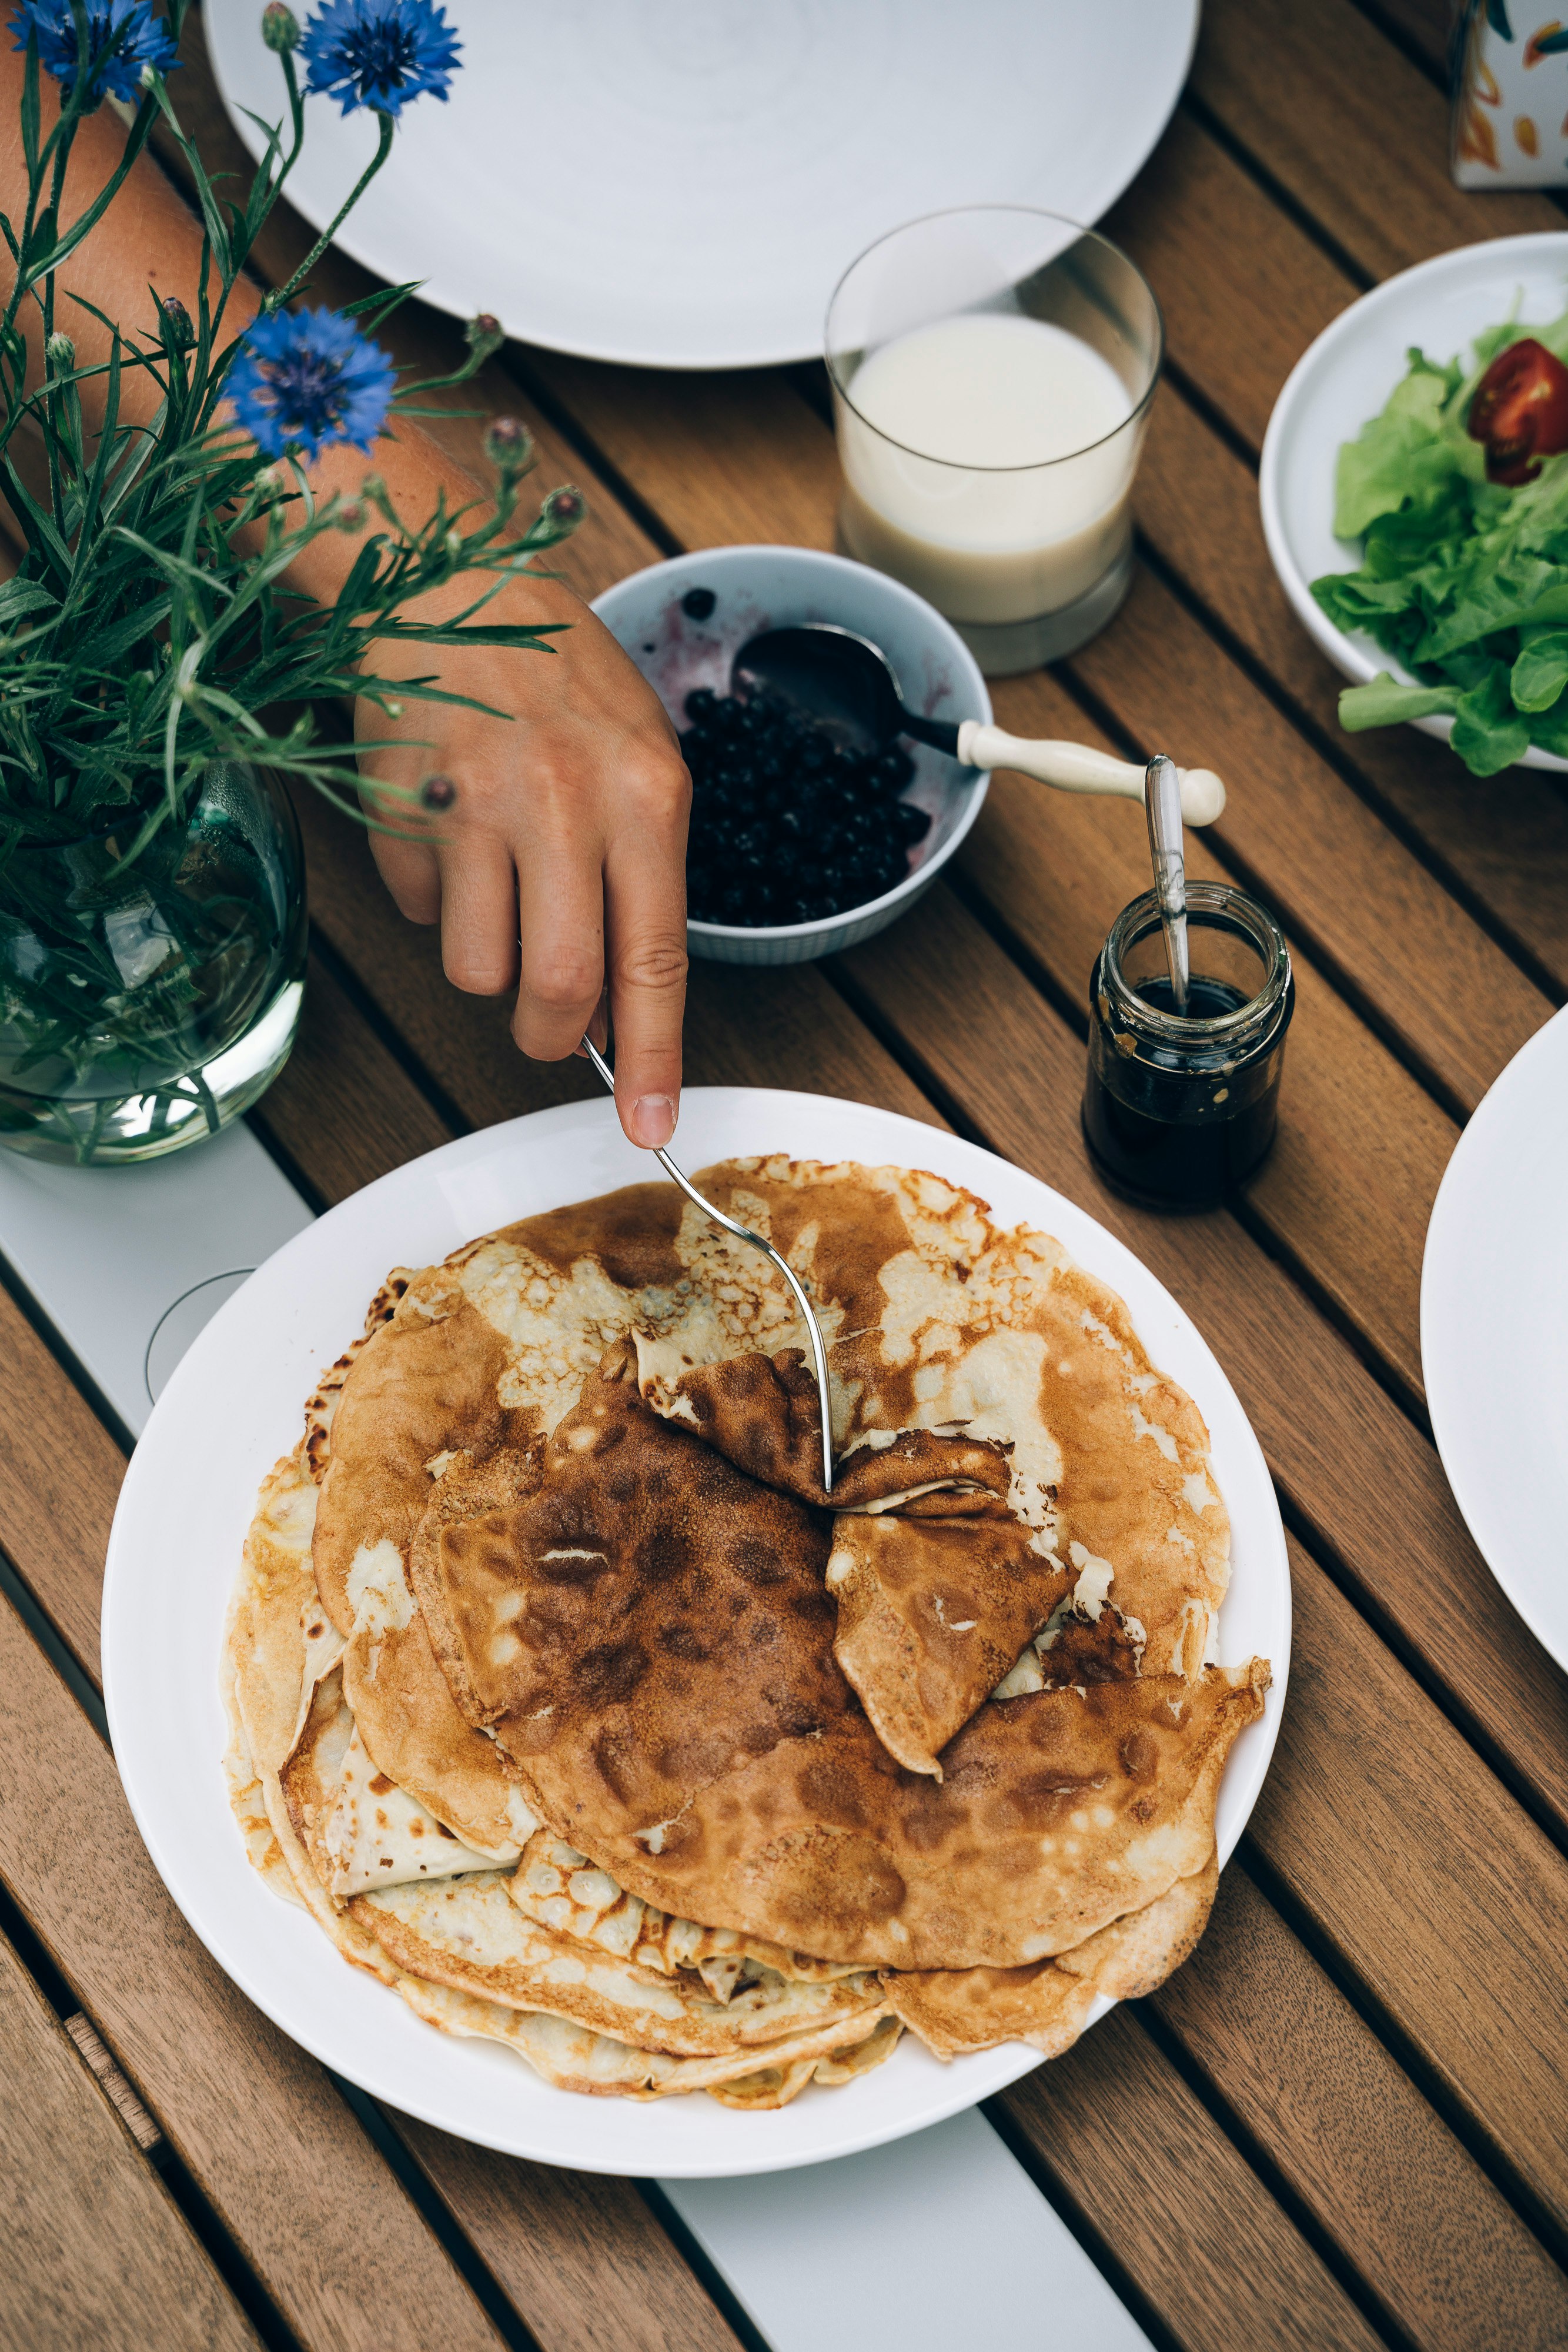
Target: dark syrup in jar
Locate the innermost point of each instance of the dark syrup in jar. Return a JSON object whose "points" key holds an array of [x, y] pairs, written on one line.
{"points": [[1174, 1124]]}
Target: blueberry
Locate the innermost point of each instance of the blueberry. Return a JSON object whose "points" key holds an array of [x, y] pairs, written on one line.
{"points": [[702, 702], [911, 824], [697, 603]]}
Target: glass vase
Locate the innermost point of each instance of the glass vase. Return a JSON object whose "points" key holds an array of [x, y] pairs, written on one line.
{"points": [[146, 1000]]}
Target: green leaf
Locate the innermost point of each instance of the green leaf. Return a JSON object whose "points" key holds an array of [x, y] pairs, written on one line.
{"points": [[1387, 702], [1541, 672], [1401, 454], [19, 597], [1489, 733]]}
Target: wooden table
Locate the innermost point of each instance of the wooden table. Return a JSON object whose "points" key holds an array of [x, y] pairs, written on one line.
{"points": [[1345, 2121]]}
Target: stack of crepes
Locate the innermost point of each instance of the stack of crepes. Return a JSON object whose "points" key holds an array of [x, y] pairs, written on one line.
{"points": [[569, 1707]]}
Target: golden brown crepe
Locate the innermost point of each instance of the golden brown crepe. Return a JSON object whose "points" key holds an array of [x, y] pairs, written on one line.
{"points": [[644, 1619], [932, 1614], [1058, 1812], [1047, 2005]]}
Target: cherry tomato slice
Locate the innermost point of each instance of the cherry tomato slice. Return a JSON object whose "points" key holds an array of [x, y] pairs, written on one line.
{"points": [[1520, 411]]}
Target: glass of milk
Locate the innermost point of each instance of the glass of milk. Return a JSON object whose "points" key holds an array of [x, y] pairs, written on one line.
{"points": [[992, 370]]}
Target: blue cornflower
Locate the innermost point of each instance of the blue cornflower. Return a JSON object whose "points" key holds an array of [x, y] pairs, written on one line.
{"points": [[144, 40], [305, 379], [379, 53]]}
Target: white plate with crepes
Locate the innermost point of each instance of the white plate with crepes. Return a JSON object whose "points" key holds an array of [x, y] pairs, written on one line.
{"points": [[1494, 1330], [234, 1406], [683, 187]]}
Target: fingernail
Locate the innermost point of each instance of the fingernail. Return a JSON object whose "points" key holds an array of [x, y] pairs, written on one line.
{"points": [[652, 1121]]}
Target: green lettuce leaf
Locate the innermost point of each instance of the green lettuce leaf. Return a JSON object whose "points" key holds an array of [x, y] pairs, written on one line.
{"points": [[1400, 454], [1386, 702]]}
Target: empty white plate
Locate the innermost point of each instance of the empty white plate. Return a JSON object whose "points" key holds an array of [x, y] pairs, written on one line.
{"points": [[683, 186], [1346, 377], [235, 1404], [1494, 1330]]}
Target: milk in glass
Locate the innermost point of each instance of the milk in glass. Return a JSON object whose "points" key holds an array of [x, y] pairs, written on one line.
{"points": [[986, 465]]}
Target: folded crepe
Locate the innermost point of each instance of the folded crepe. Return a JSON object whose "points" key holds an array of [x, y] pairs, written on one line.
{"points": [[1057, 1814], [936, 1585], [1047, 2005]]}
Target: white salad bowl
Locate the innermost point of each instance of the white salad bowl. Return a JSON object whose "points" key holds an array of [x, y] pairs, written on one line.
{"points": [[757, 588], [1346, 376]]}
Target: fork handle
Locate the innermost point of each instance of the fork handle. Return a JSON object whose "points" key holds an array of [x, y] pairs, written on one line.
{"points": [[1079, 768]]}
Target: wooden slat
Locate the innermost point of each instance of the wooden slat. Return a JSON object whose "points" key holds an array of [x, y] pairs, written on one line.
{"points": [[1305, 90], [1125, 2140], [313, 2206], [1423, 24], [1349, 1462], [562, 2242], [1450, 2260], [1234, 332], [59, 1473], [96, 2250], [1429, 1877]]}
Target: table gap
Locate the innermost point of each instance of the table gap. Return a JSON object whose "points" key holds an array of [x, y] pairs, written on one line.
{"points": [[705, 2271], [40, 1625], [1278, 195], [1408, 43], [1492, 2159], [1082, 2224], [242, 2282], [387, 1033], [380, 2128], [1209, 410], [1253, 2153], [1444, 1697], [554, 412]]}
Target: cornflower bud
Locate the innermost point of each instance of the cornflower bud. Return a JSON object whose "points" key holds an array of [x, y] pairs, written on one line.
{"points": [[484, 335], [279, 27], [61, 354], [182, 333], [564, 509], [508, 444], [438, 793], [352, 515]]}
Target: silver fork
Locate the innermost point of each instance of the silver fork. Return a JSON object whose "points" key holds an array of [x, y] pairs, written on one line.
{"points": [[743, 1233]]}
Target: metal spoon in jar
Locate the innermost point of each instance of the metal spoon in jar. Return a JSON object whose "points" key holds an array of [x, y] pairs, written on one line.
{"points": [[1162, 804], [743, 1233], [848, 685]]}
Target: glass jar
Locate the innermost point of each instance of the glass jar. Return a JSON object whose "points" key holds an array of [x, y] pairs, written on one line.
{"points": [[146, 1000], [1178, 1110]]}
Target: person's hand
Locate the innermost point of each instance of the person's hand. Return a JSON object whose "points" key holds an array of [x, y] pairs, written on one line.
{"points": [[560, 868]]}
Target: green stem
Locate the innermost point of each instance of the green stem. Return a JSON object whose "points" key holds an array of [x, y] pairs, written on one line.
{"points": [[280, 294]]}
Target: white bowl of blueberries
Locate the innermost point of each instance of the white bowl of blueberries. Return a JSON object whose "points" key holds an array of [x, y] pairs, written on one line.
{"points": [[808, 832]]}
